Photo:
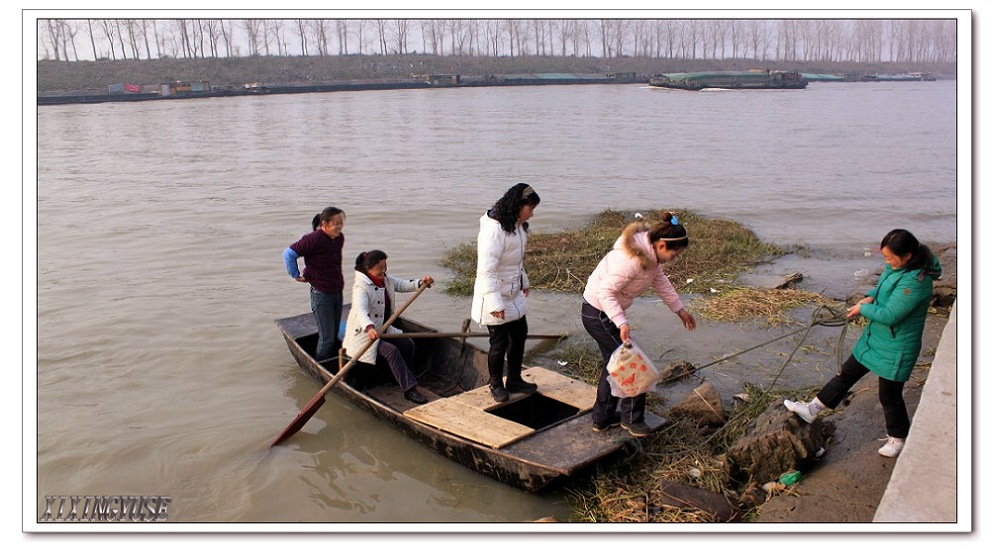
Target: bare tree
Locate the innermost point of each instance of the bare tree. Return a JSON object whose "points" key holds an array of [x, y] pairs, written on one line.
{"points": [[71, 29], [120, 37], [457, 36], [491, 31], [55, 30], [605, 28], [621, 27], [275, 35], [342, 28], [585, 36], [360, 33], [108, 29], [735, 36], [542, 31], [760, 33], [381, 29], [432, 36], [93, 38], [401, 32], [318, 30], [253, 35], [143, 30], [513, 36], [130, 31], [564, 28], [227, 29], [300, 29]]}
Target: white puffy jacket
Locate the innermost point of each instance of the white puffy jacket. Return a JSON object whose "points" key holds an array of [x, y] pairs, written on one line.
{"points": [[368, 308], [500, 274]]}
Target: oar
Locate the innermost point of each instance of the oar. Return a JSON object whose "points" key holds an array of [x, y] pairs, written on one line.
{"points": [[318, 400], [429, 335]]}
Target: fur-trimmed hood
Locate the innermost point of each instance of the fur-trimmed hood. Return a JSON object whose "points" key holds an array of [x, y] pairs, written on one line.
{"points": [[635, 242]]}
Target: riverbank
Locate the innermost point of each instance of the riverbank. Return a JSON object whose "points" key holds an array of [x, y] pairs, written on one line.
{"points": [[850, 481], [854, 484]]}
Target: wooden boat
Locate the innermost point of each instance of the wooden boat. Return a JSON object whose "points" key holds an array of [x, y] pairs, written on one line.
{"points": [[731, 80], [532, 442]]}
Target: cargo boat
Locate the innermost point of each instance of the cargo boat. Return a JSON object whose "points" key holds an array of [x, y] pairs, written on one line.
{"points": [[732, 80]]}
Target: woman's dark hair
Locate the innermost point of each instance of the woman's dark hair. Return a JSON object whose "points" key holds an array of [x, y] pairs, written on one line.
{"points": [[901, 242], [368, 259], [507, 209], [671, 231], [326, 215]]}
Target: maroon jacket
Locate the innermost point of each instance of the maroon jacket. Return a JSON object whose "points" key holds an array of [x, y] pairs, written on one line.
{"points": [[322, 260]]}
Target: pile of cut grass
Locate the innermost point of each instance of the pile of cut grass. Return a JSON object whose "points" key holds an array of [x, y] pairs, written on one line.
{"points": [[741, 303], [719, 249]]}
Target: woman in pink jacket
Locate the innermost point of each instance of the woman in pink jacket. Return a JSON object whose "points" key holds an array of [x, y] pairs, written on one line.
{"points": [[630, 269]]}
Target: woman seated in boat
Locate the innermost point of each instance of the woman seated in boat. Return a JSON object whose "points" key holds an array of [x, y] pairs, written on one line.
{"points": [[373, 300]]}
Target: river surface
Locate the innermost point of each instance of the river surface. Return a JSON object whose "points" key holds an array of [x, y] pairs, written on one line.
{"points": [[160, 227]]}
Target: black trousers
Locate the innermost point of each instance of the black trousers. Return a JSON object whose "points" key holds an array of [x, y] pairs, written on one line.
{"points": [[608, 338], [506, 339], [890, 394]]}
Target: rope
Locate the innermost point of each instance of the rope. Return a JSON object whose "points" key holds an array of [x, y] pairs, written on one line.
{"points": [[834, 320]]}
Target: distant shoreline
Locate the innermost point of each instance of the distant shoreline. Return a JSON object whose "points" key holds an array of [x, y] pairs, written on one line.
{"points": [[204, 89]]}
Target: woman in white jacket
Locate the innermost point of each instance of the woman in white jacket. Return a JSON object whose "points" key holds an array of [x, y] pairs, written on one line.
{"points": [[631, 268], [373, 300], [502, 285]]}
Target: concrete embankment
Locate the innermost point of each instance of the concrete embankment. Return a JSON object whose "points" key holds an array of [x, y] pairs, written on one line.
{"points": [[922, 487]]}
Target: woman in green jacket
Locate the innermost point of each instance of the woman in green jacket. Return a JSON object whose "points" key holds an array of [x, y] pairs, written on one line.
{"points": [[889, 345]]}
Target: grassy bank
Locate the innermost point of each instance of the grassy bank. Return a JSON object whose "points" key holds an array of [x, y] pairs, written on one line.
{"points": [[562, 261]]}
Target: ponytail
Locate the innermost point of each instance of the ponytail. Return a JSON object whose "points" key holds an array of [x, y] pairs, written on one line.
{"points": [[671, 231]]}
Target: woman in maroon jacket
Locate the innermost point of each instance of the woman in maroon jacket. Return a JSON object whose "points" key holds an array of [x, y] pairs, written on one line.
{"points": [[322, 252]]}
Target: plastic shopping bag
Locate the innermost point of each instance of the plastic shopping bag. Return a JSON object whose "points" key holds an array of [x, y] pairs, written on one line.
{"points": [[631, 372]]}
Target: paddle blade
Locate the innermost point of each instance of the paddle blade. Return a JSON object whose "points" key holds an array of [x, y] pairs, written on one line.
{"points": [[305, 414]]}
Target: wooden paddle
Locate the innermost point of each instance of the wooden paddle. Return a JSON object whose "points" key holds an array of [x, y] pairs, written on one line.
{"points": [[318, 400], [431, 334]]}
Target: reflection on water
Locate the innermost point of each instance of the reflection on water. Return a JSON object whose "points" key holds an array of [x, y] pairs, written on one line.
{"points": [[160, 228]]}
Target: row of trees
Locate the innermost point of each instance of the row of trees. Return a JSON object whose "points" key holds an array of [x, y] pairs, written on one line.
{"points": [[861, 40]]}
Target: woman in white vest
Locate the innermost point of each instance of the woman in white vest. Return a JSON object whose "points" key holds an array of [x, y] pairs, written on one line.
{"points": [[502, 285]]}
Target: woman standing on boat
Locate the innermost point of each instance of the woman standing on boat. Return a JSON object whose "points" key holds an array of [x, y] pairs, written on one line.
{"points": [[625, 272], [889, 345], [502, 286], [373, 299], [322, 252]]}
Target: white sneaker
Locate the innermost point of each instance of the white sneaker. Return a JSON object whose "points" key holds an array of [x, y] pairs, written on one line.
{"points": [[802, 409], [892, 448]]}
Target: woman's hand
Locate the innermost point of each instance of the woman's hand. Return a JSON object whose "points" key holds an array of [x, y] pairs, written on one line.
{"points": [[688, 319], [626, 334], [499, 314], [427, 280], [854, 310], [372, 333]]}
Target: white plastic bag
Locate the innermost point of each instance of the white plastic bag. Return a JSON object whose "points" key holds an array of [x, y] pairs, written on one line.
{"points": [[630, 372]]}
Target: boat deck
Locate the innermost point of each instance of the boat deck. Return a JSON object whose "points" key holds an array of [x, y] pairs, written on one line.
{"points": [[471, 414]]}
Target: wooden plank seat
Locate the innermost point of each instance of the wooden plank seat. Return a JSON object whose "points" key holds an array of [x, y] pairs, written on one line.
{"points": [[469, 414]]}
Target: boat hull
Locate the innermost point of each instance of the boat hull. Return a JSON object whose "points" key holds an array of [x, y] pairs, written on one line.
{"points": [[557, 446]]}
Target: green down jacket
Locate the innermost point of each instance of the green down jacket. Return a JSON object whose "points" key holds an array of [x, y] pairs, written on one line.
{"points": [[892, 339]]}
